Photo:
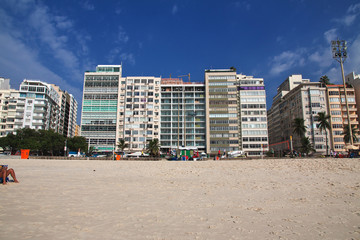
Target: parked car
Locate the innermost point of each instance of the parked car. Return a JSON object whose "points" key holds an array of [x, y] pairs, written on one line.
{"points": [[138, 154], [76, 154]]}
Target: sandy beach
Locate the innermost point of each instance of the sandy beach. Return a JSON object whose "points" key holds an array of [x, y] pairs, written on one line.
{"points": [[258, 199]]}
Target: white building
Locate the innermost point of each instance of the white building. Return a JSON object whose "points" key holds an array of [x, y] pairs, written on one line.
{"points": [[38, 103], [100, 107], [182, 115], [138, 117]]}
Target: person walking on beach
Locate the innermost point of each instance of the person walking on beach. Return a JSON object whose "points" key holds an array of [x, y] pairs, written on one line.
{"points": [[5, 172]]}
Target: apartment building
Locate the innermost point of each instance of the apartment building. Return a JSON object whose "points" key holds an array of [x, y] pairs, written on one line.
{"points": [[354, 80], [67, 113], [182, 122], [235, 113], [338, 114], [37, 106], [222, 118], [297, 98], [8, 101], [100, 107], [253, 117], [138, 116]]}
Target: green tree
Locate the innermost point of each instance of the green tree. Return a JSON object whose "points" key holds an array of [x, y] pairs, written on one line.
{"points": [[324, 80], [346, 133], [153, 147], [299, 127], [51, 142], [9, 142], [306, 146], [122, 145], [28, 138], [324, 125], [76, 143]]}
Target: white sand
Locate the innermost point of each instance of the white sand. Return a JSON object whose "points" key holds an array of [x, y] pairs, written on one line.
{"points": [[259, 199]]}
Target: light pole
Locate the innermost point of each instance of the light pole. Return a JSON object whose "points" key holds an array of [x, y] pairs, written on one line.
{"points": [[340, 54]]}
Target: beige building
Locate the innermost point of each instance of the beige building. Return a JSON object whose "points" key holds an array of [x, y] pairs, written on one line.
{"points": [[8, 104], [338, 114], [354, 80], [236, 117], [222, 128], [296, 98], [67, 112]]}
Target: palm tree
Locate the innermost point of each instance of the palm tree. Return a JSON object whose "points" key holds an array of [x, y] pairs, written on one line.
{"points": [[122, 145], [299, 127], [306, 146], [324, 125], [346, 133], [324, 80], [153, 147]]}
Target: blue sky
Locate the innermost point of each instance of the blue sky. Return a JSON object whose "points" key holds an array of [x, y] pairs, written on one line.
{"points": [[56, 41]]}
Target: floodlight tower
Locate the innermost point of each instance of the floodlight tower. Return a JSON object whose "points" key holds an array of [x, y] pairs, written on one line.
{"points": [[340, 54]]}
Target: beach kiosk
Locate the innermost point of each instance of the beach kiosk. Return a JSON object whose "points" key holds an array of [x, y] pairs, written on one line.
{"points": [[187, 152]]}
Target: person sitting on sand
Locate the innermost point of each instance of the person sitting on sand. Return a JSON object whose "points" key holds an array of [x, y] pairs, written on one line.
{"points": [[5, 172]]}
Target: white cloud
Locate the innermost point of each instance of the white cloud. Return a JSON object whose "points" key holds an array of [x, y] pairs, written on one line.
{"points": [[351, 14], [346, 20], [87, 6], [128, 57], [243, 5], [41, 22], [287, 60], [122, 35], [355, 8], [174, 9], [322, 57], [18, 62], [353, 61], [116, 55], [330, 35], [63, 23]]}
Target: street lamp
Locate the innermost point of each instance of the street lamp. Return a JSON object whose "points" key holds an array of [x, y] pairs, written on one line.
{"points": [[340, 54]]}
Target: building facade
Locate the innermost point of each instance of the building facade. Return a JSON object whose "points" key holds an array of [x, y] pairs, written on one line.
{"points": [[338, 114], [235, 113], [182, 122], [297, 98], [67, 113], [37, 106], [100, 107], [253, 116], [9, 98], [138, 111]]}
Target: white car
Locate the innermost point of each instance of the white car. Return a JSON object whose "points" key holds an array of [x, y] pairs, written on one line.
{"points": [[138, 154]]}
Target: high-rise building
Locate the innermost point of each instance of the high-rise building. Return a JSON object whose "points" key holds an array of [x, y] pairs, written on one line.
{"points": [[235, 113], [253, 116], [38, 104], [68, 112], [8, 101], [222, 118], [138, 111], [182, 115], [297, 98], [100, 107], [338, 114], [354, 80]]}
